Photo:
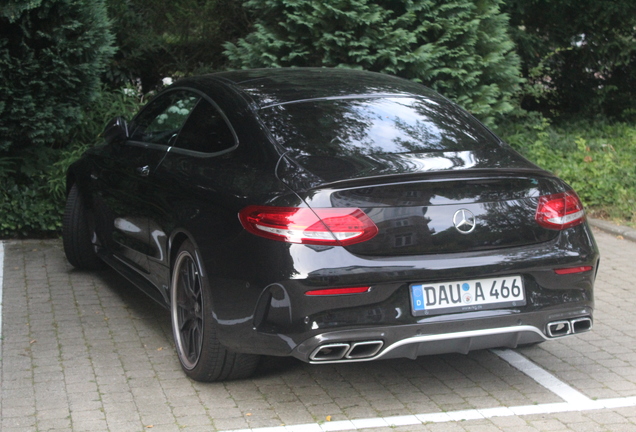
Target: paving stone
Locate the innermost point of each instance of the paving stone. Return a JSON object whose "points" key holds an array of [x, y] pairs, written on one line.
{"points": [[86, 351], [294, 416], [123, 426]]}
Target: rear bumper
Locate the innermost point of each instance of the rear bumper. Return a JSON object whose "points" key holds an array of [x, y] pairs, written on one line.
{"points": [[277, 318], [418, 340]]}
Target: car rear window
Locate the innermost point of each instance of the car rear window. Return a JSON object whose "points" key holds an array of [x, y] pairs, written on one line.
{"points": [[372, 126]]}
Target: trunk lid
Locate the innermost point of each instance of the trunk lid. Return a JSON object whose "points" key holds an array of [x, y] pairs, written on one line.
{"points": [[443, 202], [450, 215]]}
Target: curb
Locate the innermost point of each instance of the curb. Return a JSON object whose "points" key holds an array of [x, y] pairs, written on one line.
{"points": [[612, 228]]}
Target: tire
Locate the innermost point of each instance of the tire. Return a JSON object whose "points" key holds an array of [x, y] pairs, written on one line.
{"points": [[202, 356], [76, 234]]}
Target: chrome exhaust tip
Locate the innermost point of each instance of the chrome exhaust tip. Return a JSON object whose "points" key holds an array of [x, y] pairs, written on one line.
{"points": [[330, 352], [346, 351], [580, 325], [559, 328], [568, 327], [365, 349]]}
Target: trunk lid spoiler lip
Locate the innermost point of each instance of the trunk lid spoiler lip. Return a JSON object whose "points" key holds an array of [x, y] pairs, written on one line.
{"points": [[432, 176], [300, 178]]}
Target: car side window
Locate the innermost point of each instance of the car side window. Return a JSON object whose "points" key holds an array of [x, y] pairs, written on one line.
{"points": [[162, 120], [205, 131]]}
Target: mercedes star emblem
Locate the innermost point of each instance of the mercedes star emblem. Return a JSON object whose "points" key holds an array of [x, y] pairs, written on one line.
{"points": [[464, 221]]}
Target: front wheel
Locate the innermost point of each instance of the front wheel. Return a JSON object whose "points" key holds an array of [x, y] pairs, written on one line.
{"points": [[77, 233], [202, 356]]}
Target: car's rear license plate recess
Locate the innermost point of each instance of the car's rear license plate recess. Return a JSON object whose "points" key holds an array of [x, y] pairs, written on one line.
{"points": [[466, 295]]}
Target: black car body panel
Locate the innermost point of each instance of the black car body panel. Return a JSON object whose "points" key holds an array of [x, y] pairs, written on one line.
{"points": [[146, 198]]}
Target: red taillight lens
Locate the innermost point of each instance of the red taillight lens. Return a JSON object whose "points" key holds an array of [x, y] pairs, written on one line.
{"points": [[560, 211], [321, 226], [337, 291], [572, 270]]}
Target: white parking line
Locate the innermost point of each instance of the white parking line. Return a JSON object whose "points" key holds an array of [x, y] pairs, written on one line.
{"points": [[447, 417], [542, 376], [575, 401]]}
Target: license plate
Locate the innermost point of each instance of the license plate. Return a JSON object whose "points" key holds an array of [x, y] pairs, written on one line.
{"points": [[468, 295]]}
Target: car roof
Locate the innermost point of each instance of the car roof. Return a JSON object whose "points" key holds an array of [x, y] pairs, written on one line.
{"points": [[269, 87]]}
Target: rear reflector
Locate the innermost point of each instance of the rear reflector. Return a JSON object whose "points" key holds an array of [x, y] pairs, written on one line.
{"points": [[320, 226], [337, 291], [560, 211], [570, 270]]}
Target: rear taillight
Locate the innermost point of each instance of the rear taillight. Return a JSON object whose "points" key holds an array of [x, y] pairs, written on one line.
{"points": [[560, 211], [338, 291], [320, 226], [572, 270]]}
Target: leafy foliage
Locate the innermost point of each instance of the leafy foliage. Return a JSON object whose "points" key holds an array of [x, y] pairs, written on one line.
{"points": [[597, 159], [578, 55], [109, 104], [51, 55], [26, 209], [460, 49], [26, 206], [33, 183], [171, 38]]}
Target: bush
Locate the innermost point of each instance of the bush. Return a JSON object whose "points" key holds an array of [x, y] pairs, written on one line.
{"points": [[460, 49], [598, 159], [32, 184], [171, 38], [581, 52], [123, 102], [51, 55], [26, 205], [27, 210]]}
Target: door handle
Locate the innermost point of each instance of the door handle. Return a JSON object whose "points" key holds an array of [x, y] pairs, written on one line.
{"points": [[143, 171]]}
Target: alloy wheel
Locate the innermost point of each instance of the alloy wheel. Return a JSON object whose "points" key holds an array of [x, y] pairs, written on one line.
{"points": [[187, 309]]}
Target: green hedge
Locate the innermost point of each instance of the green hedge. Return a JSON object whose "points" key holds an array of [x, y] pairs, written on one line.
{"points": [[32, 184], [459, 48], [597, 158], [52, 53]]}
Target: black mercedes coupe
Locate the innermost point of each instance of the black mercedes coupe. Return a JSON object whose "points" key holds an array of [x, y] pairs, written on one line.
{"points": [[330, 215]]}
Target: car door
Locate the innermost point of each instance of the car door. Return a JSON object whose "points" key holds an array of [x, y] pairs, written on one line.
{"points": [[127, 178], [189, 182]]}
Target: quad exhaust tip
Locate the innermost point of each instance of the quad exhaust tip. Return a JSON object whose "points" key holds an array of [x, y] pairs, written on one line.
{"points": [[568, 327], [350, 350], [368, 349]]}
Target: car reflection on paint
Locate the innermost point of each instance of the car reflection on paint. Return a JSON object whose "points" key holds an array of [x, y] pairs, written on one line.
{"points": [[332, 216]]}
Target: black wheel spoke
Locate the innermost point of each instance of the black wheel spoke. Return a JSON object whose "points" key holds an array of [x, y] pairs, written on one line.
{"points": [[193, 341], [186, 282], [186, 321], [188, 311]]}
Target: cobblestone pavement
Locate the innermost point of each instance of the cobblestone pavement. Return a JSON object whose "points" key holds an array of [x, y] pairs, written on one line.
{"points": [[88, 352]]}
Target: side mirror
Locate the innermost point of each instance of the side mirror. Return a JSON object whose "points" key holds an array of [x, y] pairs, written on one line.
{"points": [[116, 131]]}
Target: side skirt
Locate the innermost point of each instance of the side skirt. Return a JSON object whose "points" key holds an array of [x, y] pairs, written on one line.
{"points": [[135, 278]]}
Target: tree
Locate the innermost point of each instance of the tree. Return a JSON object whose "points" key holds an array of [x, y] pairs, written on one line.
{"points": [[459, 48], [579, 55], [168, 38], [51, 55]]}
